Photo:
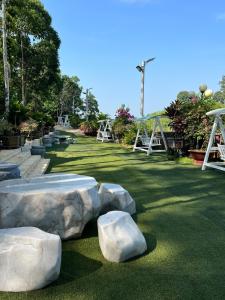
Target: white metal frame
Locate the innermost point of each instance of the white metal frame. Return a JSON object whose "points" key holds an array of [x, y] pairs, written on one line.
{"points": [[218, 124], [64, 121], [105, 131], [149, 142]]}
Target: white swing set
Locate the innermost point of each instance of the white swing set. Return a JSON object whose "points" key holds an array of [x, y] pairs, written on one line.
{"points": [[218, 124], [148, 143], [105, 131]]}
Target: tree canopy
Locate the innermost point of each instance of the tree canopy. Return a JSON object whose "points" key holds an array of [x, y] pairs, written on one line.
{"points": [[36, 83]]}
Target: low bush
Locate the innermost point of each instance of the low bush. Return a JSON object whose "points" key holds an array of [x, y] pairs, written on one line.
{"points": [[122, 124], [75, 121], [130, 134], [89, 127], [189, 120]]}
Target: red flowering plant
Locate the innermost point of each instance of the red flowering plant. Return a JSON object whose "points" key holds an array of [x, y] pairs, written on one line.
{"points": [[123, 120], [123, 113]]}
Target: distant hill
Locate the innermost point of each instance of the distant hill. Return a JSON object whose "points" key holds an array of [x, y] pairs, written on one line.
{"points": [[164, 121]]}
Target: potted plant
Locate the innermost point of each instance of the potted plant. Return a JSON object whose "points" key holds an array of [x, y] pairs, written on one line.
{"points": [[10, 136], [188, 118], [199, 127]]}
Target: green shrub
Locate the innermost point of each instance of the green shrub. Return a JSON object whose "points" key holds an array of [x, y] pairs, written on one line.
{"points": [[18, 113], [173, 154], [130, 134], [89, 127], [123, 122], [189, 120], [119, 129], [75, 121], [6, 128], [43, 119]]}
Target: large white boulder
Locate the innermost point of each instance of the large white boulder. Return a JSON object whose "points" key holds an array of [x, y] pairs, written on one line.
{"points": [[119, 236], [29, 259], [59, 203], [115, 197]]}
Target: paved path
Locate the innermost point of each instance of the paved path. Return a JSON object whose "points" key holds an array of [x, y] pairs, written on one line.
{"points": [[70, 130]]}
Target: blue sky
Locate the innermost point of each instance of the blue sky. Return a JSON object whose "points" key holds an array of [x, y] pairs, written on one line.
{"points": [[102, 41]]}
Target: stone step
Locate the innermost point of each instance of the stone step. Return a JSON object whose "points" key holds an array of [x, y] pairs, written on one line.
{"points": [[29, 165], [40, 168], [6, 155], [20, 158]]}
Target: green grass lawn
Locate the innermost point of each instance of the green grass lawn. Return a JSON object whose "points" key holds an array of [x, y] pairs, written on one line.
{"points": [[180, 210]]}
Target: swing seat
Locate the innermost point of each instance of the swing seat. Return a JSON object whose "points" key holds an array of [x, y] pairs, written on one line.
{"points": [[146, 140], [106, 134], [221, 149]]}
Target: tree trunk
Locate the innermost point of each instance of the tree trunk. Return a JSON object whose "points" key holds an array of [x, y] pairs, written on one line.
{"points": [[5, 57], [22, 70]]}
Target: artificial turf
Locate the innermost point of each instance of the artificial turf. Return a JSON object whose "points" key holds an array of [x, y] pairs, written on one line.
{"points": [[180, 210]]}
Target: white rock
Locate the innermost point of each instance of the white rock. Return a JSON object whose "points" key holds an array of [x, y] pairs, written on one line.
{"points": [[29, 259], [115, 197], [119, 237], [59, 203]]}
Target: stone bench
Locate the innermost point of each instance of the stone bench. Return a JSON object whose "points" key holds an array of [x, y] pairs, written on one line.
{"points": [[119, 237], [37, 150], [47, 141], [115, 197], [9, 171], [30, 259], [59, 203]]}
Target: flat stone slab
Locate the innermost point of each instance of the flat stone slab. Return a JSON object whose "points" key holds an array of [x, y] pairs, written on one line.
{"points": [[115, 197], [59, 203], [119, 236], [30, 259]]}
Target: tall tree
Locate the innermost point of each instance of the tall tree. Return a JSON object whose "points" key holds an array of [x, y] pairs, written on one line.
{"points": [[5, 57], [93, 109], [70, 97], [33, 52]]}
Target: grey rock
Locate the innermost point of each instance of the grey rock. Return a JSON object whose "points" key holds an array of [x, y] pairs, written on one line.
{"points": [[30, 259]]}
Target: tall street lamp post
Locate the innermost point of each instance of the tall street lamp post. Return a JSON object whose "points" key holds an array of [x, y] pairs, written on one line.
{"points": [[87, 102], [141, 69]]}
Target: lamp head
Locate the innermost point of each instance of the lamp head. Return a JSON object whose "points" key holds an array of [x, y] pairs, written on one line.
{"points": [[202, 88], [139, 68]]}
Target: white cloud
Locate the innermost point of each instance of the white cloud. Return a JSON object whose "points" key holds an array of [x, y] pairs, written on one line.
{"points": [[220, 17]]}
